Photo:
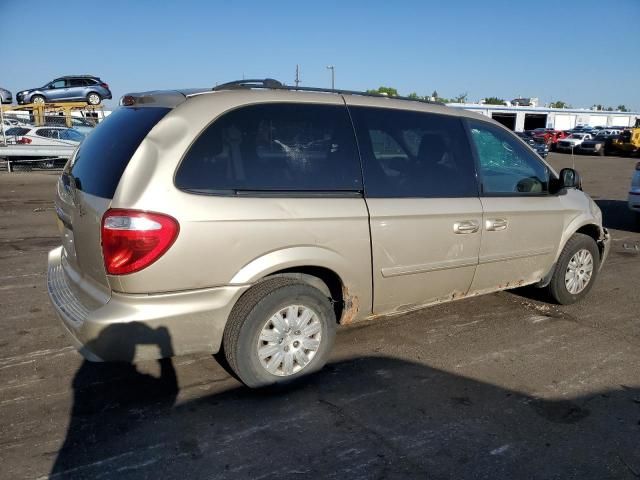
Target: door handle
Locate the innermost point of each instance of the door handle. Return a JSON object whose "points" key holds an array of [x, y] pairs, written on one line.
{"points": [[466, 226], [496, 224]]}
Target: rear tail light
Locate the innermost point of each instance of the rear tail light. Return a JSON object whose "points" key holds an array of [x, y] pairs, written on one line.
{"points": [[133, 239], [24, 140], [105, 85]]}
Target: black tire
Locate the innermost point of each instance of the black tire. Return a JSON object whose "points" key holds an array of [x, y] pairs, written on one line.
{"points": [[557, 288], [91, 98], [254, 309], [37, 98]]}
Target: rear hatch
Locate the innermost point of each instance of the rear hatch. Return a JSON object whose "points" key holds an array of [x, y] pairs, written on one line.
{"points": [[86, 188]]}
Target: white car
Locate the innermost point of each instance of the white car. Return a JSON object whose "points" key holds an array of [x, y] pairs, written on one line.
{"points": [[45, 136], [13, 122], [573, 141], [634, 192]]}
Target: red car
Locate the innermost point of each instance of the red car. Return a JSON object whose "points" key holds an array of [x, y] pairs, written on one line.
{"points": [[549, 136]]}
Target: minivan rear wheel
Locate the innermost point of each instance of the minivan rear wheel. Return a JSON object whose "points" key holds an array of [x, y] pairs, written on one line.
{"points": [[280, 330], [576, 270]]}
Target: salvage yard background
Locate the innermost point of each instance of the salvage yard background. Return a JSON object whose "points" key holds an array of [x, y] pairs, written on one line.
{"points": [[501, 386]]}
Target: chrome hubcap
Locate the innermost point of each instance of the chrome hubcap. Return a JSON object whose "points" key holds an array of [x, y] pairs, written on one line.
{"points": [[579, 271], [93, 99], [38, 100], [289, 340]]}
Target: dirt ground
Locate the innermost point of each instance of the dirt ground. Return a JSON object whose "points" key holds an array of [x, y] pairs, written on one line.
{"points": [[501, 386]]}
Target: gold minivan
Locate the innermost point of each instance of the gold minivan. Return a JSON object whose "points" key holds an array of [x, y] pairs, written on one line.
{"points": [[251, 219]]}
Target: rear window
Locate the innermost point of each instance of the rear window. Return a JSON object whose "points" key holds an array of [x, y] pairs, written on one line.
{"points": [[274, 148], [103, 155], [16, 131]]}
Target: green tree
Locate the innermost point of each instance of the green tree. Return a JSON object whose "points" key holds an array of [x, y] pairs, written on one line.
{"points": [[609, 109], [392, 92], [559, 104], [414, 96], [622, 108], [440, 99], [462, 98], [494, 101]]}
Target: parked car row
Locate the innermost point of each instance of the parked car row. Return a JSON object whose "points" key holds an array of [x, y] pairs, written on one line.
{"points": [[88, 88], [582, 139], [540, 147]]}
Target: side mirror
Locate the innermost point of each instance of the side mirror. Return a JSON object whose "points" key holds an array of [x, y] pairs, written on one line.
{"points": [[569, 178]]}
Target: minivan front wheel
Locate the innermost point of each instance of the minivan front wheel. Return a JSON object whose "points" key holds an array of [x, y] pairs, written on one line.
{"points": [[280, 329], [576, 270]]}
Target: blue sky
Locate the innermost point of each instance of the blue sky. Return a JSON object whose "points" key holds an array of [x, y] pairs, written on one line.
{"points": [[583, 52]]}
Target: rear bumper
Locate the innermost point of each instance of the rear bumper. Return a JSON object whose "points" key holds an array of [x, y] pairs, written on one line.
{"points": [[141, 327]]}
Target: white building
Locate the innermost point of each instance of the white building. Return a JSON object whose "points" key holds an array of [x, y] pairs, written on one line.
{"points": [[528, 118]]}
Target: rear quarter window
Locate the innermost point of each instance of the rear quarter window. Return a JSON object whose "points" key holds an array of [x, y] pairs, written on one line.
{"points": [[16, 131], [274, 147], [103, 155]]}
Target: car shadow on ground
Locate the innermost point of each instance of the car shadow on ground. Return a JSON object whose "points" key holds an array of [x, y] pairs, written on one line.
{"points": [[372, 417], [616, 215]]}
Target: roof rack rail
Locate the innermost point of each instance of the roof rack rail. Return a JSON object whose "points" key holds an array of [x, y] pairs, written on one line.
{"points": [[270, 83], [250, 83]]}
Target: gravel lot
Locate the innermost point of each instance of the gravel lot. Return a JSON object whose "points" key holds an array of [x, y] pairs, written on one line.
{"points": [[501, 386]]}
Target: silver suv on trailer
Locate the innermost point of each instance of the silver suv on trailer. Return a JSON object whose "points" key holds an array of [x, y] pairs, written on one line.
{"points": [[252, 219]]}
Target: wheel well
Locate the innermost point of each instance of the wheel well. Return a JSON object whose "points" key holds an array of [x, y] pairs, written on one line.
{"points": [[594, 232], [323, 279]]}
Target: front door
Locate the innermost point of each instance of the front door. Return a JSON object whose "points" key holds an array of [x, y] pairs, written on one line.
{"points": [[423, 203], [56, 90], [522, 222]]}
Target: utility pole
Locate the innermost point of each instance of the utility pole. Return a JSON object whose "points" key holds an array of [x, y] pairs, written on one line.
{"points": [[297, 75], [333, 76]]}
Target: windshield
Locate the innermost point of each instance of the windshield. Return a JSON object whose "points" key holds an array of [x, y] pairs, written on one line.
{"points": [[576, 135], [70, 134]]}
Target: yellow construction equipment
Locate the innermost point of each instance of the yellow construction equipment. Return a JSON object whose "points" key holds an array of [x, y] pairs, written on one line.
{"points": [[628, 142]]}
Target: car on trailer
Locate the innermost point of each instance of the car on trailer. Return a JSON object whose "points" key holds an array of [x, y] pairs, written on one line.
{"points": [[87, 88], [44, 135], [5, 96]]}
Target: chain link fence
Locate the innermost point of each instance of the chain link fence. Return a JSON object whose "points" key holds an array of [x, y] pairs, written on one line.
{"points": [[21, 128], [29, 141]]}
